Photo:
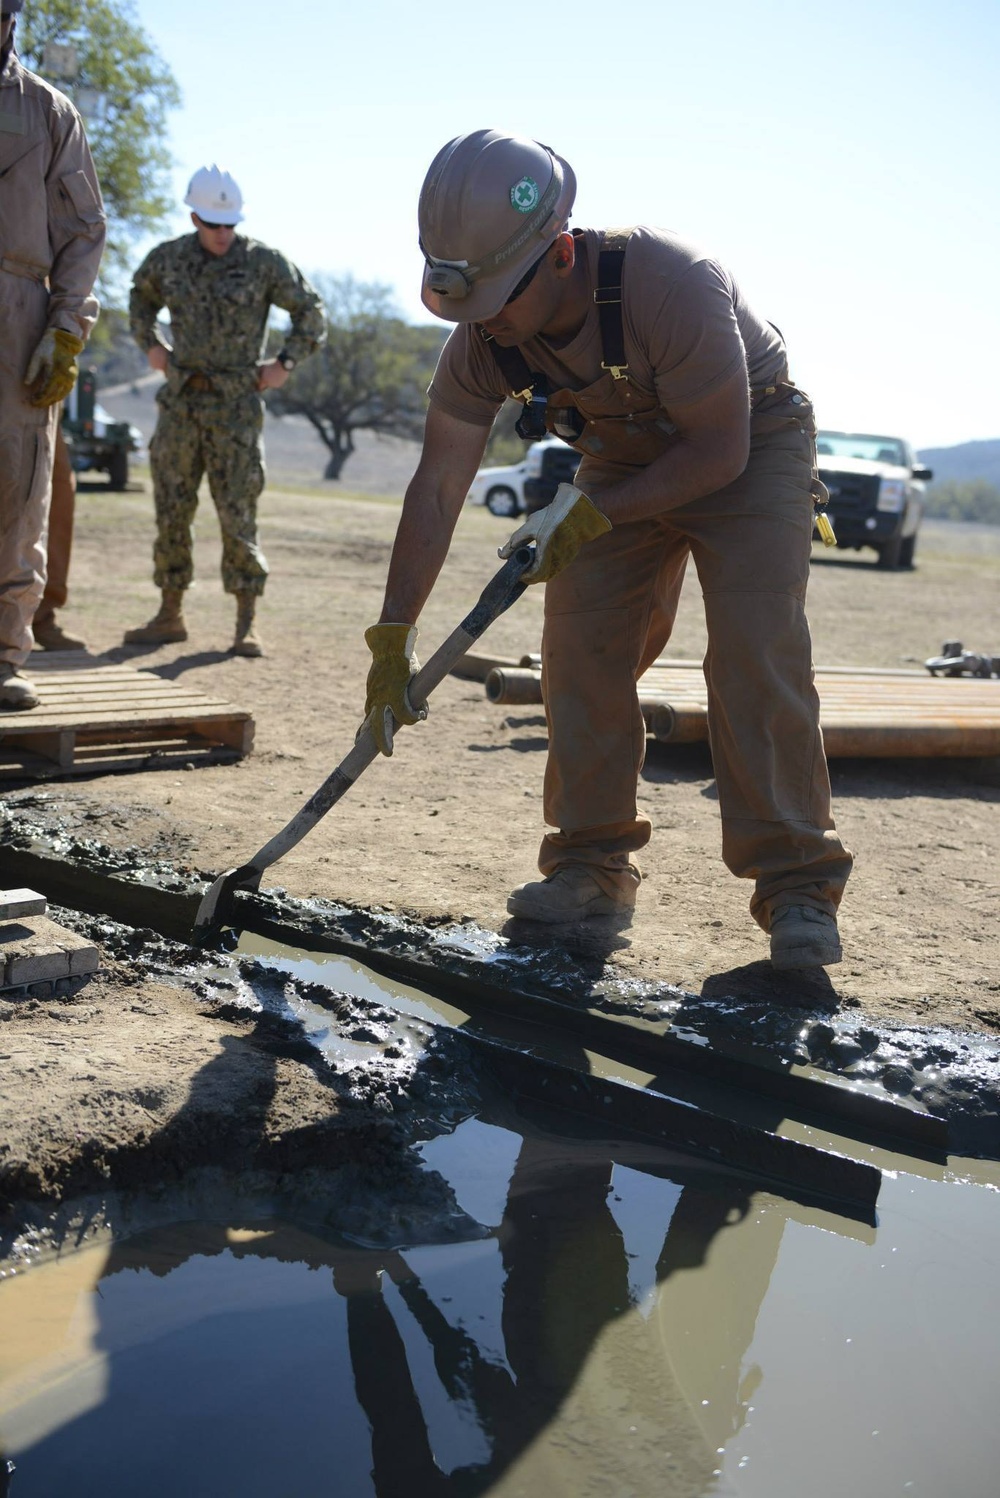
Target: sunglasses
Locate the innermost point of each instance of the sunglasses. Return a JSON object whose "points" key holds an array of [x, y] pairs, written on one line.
{"points": [[525, 280], [206, 225]]}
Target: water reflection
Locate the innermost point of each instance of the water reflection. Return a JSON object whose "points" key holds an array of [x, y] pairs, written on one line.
{"points": [[595, 1341]]}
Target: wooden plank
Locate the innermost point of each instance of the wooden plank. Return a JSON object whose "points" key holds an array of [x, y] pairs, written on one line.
{"points": [[156, 716], [96, 714], [862, 712]]}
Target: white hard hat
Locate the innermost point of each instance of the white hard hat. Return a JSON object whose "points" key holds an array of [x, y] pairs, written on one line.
{"points": [[215, 196]]}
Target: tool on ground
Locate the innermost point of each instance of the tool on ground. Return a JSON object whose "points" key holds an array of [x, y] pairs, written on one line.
{"points": [[498, 595], [954, 661]]}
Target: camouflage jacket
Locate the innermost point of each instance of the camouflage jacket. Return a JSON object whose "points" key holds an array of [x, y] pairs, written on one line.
{"points": [[219, 306], [52, 221]]}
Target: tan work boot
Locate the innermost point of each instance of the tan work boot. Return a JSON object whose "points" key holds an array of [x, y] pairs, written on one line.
{"points": [[165, 627], [247, 641], [802, 936], [17, 691], [573, 893], [50, 635]]}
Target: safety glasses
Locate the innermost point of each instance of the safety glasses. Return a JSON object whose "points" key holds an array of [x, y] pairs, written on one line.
{"points": [[525, 280]]}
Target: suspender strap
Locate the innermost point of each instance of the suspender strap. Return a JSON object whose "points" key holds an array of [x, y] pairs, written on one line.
{"points": [[608, 297], [513, 366]]}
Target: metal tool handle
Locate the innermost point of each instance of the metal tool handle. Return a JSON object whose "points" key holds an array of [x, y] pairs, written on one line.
{"points": [[498, 595]]}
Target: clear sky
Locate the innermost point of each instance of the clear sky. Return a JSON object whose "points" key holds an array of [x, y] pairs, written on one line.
{"points": [[841, 159]]}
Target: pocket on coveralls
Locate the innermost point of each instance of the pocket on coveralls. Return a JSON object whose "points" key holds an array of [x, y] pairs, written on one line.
{"points": [[73, 201]]}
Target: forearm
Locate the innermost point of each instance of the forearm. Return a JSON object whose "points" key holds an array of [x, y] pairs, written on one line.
{"points": [[689, 470], [709, 451], [142, 324], [418, 554], [451, 453]]}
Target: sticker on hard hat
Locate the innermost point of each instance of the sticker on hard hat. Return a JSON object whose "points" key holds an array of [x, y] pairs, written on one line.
{"points": [[524, 195]]}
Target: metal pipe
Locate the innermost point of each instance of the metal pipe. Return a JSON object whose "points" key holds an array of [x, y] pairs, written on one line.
{"points": [[514, 685]]}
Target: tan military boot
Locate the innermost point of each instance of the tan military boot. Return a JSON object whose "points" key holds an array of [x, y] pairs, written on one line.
{"points": [[165, 627], [17, 691], [247, 641], [803, 937], [50, 635], [573, 893]]}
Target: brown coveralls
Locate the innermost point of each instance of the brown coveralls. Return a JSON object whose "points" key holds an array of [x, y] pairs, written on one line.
{"points": [[608, 617], [52, 230], [610, 614], [62, 513]]}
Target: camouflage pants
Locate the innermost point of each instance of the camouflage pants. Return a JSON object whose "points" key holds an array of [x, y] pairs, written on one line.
{"points": [[197, 435]]}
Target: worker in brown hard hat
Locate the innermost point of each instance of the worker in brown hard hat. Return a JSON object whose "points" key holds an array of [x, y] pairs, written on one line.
{"points": [[52, 230], [640, 351]]}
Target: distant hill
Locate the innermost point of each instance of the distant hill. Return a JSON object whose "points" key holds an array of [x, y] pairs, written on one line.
{"points": [[964, 462]]}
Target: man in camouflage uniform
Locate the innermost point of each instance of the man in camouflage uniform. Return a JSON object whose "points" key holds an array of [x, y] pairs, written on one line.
{"points": [[219, 287], [52, 228]]}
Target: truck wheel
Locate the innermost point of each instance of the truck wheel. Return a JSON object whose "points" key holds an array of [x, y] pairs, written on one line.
{"points": [[890, 554], [502, 501], [906, 551], [118, 471]]}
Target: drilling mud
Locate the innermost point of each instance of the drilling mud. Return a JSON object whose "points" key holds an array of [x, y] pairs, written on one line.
{"points": [[268, 1223], [579, 1317], [891, 1078]]}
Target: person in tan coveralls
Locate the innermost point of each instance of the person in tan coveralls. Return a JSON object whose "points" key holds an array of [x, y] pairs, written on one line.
{"points": [[48, 632], [641, 352], [52, 231]]}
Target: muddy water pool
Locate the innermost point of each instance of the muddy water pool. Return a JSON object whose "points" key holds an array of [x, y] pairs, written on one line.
{"points": [[613, 1320]]}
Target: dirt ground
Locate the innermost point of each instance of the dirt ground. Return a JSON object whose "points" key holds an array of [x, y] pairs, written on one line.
{"points": [[453, 820]]}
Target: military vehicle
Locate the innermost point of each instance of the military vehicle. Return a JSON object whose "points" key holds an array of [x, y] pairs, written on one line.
{"points": [[95, 440]]}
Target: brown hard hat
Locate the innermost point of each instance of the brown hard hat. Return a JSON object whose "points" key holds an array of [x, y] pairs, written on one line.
{"points": [[490, 205]]}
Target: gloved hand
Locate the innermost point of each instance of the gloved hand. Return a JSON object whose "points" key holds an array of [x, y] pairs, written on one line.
{"points": [[393, 667], [558, 532], [52, 368]]}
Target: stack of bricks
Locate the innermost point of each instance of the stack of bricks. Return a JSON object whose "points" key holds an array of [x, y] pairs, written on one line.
{"points": [[37, 956]]}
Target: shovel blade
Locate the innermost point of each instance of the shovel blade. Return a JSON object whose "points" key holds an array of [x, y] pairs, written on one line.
{"points": [[213, 912]]}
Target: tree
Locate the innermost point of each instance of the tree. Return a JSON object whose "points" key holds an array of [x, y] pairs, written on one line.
{"points": [[971, 499], [97, 53], [371, 374]]}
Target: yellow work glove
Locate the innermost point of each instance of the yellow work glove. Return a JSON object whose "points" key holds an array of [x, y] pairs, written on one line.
{"points": [[558, 532], [52, 368], [393, 667]]}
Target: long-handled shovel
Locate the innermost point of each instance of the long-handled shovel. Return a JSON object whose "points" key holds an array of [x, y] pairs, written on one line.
{"points": [[498, 595]]}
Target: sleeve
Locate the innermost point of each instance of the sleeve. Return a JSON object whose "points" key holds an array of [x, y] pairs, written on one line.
{"points": [[293, 294], [145, 302], [467, 382], [77, 227], [694, 341]]}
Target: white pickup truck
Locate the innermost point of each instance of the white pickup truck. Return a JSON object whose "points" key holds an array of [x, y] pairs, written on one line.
{"points": [[526, 485], [877, 491]]}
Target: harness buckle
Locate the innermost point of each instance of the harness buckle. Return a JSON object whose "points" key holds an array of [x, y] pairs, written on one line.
{"points": [[607, 296], [617, 371]]}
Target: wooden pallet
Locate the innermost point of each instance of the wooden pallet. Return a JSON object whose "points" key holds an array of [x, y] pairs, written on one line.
{"points": [[95, 714], [863, 711]]}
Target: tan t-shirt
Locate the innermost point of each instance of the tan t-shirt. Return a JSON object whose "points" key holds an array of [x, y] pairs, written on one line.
{"points": [[687, 331]]}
